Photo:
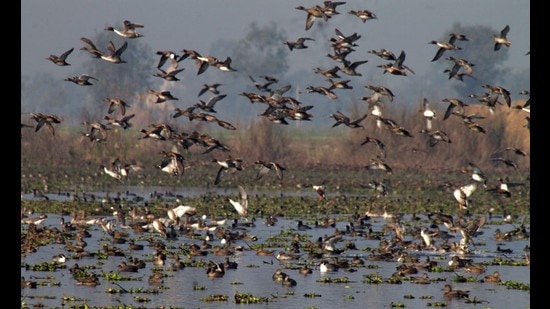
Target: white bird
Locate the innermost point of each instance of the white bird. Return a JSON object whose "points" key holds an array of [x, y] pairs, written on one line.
{"points": [[60, 258], [241, 206], [461, 195], [429, 114]]}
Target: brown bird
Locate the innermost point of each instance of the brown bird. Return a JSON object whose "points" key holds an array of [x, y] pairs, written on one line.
{"points": [[116, 103], [46, 119], [61, 59], [266, 167], [449, 292], [343, 119]]}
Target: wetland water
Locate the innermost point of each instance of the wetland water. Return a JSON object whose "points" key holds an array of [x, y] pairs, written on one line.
{"points": [[349, 287]]}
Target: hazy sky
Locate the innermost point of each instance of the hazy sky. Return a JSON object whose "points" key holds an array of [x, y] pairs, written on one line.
{"points": [[53, 26]]}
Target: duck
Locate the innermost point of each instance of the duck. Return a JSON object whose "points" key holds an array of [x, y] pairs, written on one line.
{"points": [[47, 120], [113, 55], [124, 267], [156, 278], [59, 259], [496, 92], [379, 164], [326, 266], [322, 90], [209, 105], [166, 55], [213, 88], [460, 63], [428, 113], [163, 95], [278, 275], [287, 281], [27, 283], [81, 80], [422, 279], [397, 67], [228, 264], [61, 60], [339, 84], [241, 205], [305, 270], [128, 30], [343, 119], [299, 43], [313, 13], [462, 194], [266, 167], [215, 270], [350, 68], [444, 46], [115, 103], [169, 75], [224, 65], [436, 136], [477, 174], [449, 292], [89, 280], [172, 163], [363, 15], [383, 53], [229, 165], [330, 73], [454, 104], [91, 48], [123, 122], [501, 39]]}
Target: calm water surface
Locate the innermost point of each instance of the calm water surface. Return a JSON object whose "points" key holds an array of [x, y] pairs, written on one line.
{"points": [[254, 272]]}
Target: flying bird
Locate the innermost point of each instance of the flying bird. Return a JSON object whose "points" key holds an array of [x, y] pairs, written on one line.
{"points": [[299, 43], [128, 30], [46, 119], [502, 39], [61, 60], [241, 205], [265, 167]]}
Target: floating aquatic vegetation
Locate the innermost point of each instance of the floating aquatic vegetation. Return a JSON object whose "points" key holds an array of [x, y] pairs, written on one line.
{"points": [[373, 278], [248, 298], [312, 295], [45, 266], [459, 278], [516, 285], [397, 304], [215, 297], [437, 304], [333, 280], [116, 276]]}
